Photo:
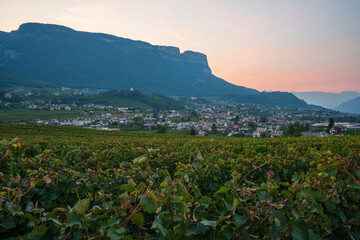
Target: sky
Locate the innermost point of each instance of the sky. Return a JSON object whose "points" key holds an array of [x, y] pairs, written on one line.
{"points": [[283, 45]]}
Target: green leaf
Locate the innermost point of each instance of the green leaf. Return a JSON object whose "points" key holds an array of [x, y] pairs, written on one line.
{"points": [[77, 235], [138, 219], [299, 232], [223, 189], [82, 205], [205, 201], [235, 204], [73, 220], [9, 222], [276, 231], [158, 224], [29, 207], [356, 172], [140, 187], [148, 204], [112, 221], [39, 230], [111, 233], [130, 187], [199, 157], [139, 160], [193, 229], [164, 184], [208, 223], [341, 214], [27, 216], [228, 232], [295, 178], [277, 222], [55, 221], [120, 230], [312, 235], [127, 237], [262, 195], [239, 219]]}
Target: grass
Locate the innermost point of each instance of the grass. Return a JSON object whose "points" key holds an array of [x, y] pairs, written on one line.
{"points": [[24, 115]]}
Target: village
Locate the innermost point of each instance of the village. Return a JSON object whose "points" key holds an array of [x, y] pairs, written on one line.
{"points": [[197, 118], [248, 121]]}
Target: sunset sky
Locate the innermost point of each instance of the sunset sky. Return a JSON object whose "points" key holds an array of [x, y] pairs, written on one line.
{"points": [[298, 45]]}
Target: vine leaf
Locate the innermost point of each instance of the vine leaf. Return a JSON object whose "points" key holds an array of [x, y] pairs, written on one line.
{"points": [[148, 204]]}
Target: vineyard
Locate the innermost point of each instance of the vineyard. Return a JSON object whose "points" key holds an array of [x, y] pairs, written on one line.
{"points": [[73, 183]]}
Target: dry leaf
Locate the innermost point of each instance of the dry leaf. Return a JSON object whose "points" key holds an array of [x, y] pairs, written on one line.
{"points": [[18, 195], [357, 182], [270, 174], [47, 180], [17, 179]]}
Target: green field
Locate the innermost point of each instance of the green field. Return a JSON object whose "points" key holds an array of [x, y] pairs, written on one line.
{"points": [[75, 183], [24, 115]]}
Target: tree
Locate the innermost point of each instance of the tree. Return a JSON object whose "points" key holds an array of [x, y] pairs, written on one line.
{"points": [[331, 125], [293, 130], [263, 118], [213, 128], [236, 119], [239, 135], [194, 114], [139, 121], [161, 128], [253, 126], [192, 131], [263, 135]]}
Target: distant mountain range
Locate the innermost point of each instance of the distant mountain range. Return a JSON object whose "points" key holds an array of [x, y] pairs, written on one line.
{"points": [[351, 106], [47, 55], [327, 100]]}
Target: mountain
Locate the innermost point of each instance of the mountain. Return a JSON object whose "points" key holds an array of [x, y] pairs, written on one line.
{"points": [[8, 80], [61, 56], [351, 106], [52, 55], [281, 99], [325, 99]]}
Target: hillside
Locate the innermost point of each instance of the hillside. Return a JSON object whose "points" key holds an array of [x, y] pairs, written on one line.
{"points": [[125, 98], [352, 106], [282, 99], [61, 56], [9, 80]]}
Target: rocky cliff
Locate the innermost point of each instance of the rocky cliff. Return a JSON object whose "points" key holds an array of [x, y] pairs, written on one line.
{"points": [[61, 56]]}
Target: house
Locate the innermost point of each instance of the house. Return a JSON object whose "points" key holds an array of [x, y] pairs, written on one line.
{"points": [[8, 95], [256, 134], [318, 126], [276, 134]]}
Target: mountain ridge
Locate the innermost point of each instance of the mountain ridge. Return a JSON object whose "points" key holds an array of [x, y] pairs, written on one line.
{"points": [[82, 58], [275, 98], [351, 106], [326, 99], [63, 57]]}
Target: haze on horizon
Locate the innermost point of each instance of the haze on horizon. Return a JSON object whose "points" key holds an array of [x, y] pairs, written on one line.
{"points": [[267, 45]]}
